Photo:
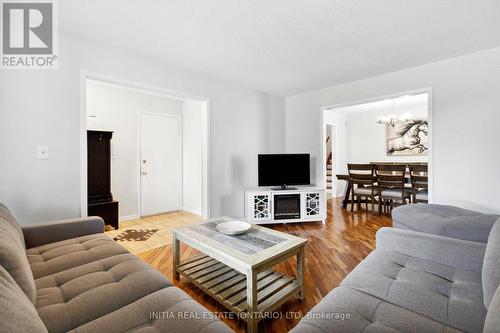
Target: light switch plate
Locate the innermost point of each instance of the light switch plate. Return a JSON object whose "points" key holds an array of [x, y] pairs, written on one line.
{"points": [[42, 152]]}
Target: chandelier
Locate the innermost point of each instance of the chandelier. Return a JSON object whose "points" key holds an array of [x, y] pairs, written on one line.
{"points": [[392, 119]]}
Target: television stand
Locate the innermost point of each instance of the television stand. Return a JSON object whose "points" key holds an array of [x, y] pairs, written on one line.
{"points": [[265, 205]]}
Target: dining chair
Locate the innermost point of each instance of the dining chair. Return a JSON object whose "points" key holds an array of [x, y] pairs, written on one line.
{"points": [[363, 183], [419, 183], [391, 184]]}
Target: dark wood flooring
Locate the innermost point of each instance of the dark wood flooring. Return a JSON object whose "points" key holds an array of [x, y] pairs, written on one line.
{"points": [[332, 252]]}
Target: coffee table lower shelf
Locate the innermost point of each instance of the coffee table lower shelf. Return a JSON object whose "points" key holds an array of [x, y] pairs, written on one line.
{"points": [[229, 287]]}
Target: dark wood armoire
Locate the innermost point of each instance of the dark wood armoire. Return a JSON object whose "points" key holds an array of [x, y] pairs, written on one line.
{"points": [[100, 199]]}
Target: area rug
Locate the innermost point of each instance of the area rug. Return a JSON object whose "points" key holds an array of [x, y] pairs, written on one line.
{"points": [[137, 240], [135, 235]]}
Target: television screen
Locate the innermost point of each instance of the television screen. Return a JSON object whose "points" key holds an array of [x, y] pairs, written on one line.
{"points": [[283, 169]]}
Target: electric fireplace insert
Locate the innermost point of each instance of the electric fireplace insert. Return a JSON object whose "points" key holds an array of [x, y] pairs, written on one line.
{"points": [[286, 206]]}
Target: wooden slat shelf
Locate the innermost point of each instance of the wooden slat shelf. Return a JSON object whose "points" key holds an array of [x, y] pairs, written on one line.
{"points": [[229, 287]]}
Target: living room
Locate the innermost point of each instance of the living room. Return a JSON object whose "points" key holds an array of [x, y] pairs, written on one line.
{"points": [[267, 72]]}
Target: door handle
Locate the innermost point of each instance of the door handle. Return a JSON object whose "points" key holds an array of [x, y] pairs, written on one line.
{"points": [[144, 173]]}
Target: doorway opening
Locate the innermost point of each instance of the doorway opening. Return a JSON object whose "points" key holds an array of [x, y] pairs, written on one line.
{"points": [[395, 129], [159, 156]]}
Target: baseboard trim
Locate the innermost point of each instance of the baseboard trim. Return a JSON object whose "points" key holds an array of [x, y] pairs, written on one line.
{"points": [[192, 210], [128, 217]]}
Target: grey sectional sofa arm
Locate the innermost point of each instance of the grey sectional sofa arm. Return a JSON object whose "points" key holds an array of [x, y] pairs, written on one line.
{"points": [[49, 232], [452, 252]]}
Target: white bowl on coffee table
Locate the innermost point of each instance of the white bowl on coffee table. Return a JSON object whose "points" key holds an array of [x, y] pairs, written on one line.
{"points": [[233, 227]]}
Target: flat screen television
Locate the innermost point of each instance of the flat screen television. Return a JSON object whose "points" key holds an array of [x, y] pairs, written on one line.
{"points": [[284, 169]]}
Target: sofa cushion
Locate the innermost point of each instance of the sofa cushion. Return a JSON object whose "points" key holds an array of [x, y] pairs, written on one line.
{"points": [[13, 253], [59, 256], [18, 314], [166, 310], [445, 294], [444, 220], [81, 294], [349, 310], [491, 264]]}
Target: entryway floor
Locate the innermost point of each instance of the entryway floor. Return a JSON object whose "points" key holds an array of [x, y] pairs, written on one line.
{"points": [[150, 232]]}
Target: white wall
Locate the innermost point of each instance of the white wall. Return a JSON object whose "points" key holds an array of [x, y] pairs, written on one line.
{"points": [[366, 140], [43, 108], [117, 109], [276, 124], [192, 159], [466, 99]]}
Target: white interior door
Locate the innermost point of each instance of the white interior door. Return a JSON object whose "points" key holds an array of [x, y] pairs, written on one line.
{"points": [[161, 164]]}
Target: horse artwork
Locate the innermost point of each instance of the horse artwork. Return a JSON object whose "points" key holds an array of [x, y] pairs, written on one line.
{"points": [[408, 138]]}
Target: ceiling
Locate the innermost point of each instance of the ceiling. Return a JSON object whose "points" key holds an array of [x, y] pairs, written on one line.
{"points": [[391, 105], [287, 47]]}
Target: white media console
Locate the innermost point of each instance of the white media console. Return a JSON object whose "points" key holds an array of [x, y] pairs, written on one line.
{"points": [[303, 204]]}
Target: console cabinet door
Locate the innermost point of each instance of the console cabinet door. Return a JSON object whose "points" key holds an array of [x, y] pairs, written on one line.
{"points": [[314, 205], [259, 206]]}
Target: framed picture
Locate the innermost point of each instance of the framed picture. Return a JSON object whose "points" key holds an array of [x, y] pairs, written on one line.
{"points": [[408, 138]]}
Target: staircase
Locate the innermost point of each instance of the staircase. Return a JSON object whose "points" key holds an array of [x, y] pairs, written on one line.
{"points": [[329, 171]]}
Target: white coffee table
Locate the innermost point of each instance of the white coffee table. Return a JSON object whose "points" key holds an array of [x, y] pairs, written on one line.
{"points": [[237, 270]]}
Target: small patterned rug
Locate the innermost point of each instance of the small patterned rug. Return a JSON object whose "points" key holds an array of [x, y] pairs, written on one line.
{"points": [[135, 235]]}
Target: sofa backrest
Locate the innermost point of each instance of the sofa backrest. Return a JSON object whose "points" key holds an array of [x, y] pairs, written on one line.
{"points": [[9, 218], [13, 253], [18, 313], [492, 321], [491, 265]]}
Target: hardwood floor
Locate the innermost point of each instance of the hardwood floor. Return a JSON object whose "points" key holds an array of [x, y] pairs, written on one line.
{"points": [[332, 251]]}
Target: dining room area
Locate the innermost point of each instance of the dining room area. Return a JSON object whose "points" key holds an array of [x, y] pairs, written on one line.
{"points": [[384, 185], [377, 153]]}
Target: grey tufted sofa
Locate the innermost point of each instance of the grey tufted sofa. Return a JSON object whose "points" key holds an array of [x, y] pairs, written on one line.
{"points": [[444, 220], [70, 277], [416, 282]]}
